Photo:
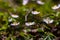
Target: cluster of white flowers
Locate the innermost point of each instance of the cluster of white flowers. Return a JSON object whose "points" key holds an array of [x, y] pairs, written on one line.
{"points": [[35, 12], [56, 7], [38, 2], [29, 23], [48, 20]]}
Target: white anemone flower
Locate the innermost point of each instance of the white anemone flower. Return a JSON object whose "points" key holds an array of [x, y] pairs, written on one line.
{"points": [[15, 23], [40, 2], [35, 12], [55, 7], [48, 20], [14, 16], [29, 23], [25, 2]]}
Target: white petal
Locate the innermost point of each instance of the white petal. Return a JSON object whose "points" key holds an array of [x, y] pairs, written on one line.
{"points": [[55, 7], [51, 21], [29, 23], [10, 19], [14, 16], [58, 5], [15, 24], [40, 2], [25, 31], [35, 12], [25, 2], [45, 21]]}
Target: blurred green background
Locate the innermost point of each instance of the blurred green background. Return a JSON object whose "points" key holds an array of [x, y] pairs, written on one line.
{"points": [[49, 31]]}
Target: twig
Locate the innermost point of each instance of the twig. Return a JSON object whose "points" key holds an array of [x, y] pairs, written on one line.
{"points": [[28, 12]]}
